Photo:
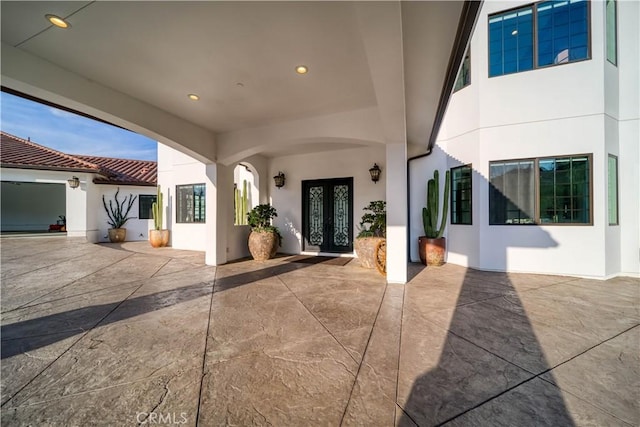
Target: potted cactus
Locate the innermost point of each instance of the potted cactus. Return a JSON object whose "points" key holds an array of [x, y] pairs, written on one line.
{"points": [[432, 246], [118, 216], [158, 237]]}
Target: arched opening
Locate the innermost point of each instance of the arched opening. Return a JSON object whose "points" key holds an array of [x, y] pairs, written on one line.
{"points": [[246, 184]]}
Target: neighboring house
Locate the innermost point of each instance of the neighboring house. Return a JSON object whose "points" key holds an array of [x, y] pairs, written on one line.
{"points": [[36, 191], [542, 139]]}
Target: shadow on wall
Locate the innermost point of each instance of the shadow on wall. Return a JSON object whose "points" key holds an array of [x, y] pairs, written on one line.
{"points": [[486, 366]]}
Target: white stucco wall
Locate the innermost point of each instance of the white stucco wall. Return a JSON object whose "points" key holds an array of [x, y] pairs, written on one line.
{"points": [[587, 107], [137, 229], [324, 165]]}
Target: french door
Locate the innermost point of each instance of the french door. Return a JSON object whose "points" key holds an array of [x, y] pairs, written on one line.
{"points": [[327, 215]]}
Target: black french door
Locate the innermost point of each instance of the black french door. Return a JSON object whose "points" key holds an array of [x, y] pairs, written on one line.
{"points": [[327, 215]]}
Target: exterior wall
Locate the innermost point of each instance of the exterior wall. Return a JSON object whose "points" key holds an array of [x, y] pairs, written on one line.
{"points": [[137, 229], [325, 165], [31, 206], [574, 108]]}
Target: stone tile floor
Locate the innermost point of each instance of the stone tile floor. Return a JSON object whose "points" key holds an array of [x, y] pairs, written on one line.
{"points": [[129, 335]]}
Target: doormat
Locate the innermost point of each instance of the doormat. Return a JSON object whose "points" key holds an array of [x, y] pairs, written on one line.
{"points": [[328, 260]]}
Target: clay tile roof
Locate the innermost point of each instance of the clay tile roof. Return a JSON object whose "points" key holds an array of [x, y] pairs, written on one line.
{"points": [[19, 153], [124, 171]]}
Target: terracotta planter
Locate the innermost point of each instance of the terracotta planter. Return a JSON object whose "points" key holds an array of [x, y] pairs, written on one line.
{"points": [[263, 245], [432, 251], [117, 235], [159, 238], [365, 250]]}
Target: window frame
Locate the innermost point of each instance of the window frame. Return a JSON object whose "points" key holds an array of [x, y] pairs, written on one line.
{"points": [[534, 12], [451, 217], [617, 201], [615, 32], [464, 58], [177, 193], [536, 201], [140, 197]]}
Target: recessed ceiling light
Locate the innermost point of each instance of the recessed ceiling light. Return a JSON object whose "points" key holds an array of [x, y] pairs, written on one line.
{"points": [[193, 97], [57, 21], [302, 69], [514, 32]]}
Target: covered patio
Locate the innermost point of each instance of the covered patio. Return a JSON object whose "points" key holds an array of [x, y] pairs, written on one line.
{"points": [[129, 335]]}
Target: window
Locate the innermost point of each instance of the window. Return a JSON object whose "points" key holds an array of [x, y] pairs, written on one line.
{"points": [[190, 203], [613, 189], [541, 191], [461, 195], [612, 32], [464, 76], [511, 42], [561, 31], [511, 193], [144, 205]]}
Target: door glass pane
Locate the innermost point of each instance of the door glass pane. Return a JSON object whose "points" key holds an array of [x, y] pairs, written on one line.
{"points": [[316, 215], [340, 215]]}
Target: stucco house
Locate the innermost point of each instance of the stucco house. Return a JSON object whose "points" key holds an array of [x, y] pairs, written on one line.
{"points": [[533, 106], [37, 190]]}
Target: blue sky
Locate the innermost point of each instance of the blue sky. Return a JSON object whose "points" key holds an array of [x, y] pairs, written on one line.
{"points": [[70, 133]]}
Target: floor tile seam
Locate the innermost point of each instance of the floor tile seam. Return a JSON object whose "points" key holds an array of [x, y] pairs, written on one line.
{"points": [[404, 292], [550, 324], [67, 349], [364, 354], [68, 284], [406, 414], [125, 286], [206, 344], [31, 255], [320, 322], [161, 267], [584, 400]]}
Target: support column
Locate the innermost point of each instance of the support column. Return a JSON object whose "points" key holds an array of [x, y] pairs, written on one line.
{"points": [[396, 180], [212, 254]]}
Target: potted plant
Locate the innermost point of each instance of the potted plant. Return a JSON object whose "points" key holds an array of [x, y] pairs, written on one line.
{"points": [[158, 237], [432, 246], [118, 216], [264, 238], [373, 229]]}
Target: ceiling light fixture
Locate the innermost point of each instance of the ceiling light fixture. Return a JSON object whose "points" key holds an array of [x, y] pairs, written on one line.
{"points": [[302, 69], [57, 21], [193, 97]]}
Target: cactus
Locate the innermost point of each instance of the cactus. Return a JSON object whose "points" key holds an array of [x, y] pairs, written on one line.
{"points": [[241, 204], [156, 210], [430, 212]]}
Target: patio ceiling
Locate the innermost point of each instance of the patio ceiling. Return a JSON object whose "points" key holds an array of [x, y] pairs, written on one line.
{"points": [[133, 64]]}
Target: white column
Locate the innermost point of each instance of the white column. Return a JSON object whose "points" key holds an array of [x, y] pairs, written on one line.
{"points": [[396, 179], [212, 254]]}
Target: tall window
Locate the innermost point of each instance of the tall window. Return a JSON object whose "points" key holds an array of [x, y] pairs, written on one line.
{"points": [[144, 205], [612, 32], [561, 29], [564, 190], [190, 203], [541, 191], [464, 76], [612, 183], [511, 193], [461, 195]]}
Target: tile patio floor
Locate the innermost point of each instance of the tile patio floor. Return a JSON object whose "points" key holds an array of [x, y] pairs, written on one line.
{"points": [[127, 335]]}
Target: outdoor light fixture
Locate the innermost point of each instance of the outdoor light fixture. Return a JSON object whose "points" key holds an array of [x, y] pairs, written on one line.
{"points": [[375, 173], [57, 21], [74, 182], [279, 179]]}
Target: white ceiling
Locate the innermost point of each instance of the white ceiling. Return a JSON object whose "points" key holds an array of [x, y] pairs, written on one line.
{"points": [[239, 57]]}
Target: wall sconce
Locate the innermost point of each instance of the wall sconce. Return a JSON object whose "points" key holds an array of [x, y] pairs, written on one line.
{"points": [[279, 179], [375, 173], [74, 182]]}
